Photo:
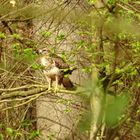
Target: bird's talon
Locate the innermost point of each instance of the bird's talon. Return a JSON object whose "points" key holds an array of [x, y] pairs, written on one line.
{"points": [[49, 89], [56, 90]]}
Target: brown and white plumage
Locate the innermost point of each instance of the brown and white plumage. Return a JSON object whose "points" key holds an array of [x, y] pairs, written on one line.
{"points": [[55, 69]]}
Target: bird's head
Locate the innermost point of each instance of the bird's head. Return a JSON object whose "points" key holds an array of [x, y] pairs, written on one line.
{"points": [[43, 51]]}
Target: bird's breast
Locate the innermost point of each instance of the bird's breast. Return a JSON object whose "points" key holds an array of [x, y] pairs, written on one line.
{"points": [[52, 71], [44, 61]]}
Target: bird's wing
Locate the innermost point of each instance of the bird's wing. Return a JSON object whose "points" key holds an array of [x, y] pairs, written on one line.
{"points": [[62, 65], [59, 62], [67, 83]]}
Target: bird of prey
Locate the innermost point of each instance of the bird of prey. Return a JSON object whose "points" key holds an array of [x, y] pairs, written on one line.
{"points": [[55, 69]]}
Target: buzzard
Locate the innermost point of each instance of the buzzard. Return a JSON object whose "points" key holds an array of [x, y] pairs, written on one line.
{"points": [[55, 69]]}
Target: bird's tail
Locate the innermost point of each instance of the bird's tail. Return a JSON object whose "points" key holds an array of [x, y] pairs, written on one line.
{"points": [[67, 83]]}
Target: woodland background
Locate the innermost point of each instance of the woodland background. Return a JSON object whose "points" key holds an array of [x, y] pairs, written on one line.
{"points": [[101, 38]]}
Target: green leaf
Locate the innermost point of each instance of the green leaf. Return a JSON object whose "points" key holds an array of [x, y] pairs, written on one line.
{"points": [[29, 55], [30, 43], [92, 1], [118, 71], [138, 84], [136, 44], [118, 82], [111, 1], [2, 35], [34, 134], [16, 49], [63, 56], [60, 37], [87, 69], [9, 131], [36, 66], [81, 44], [16, 36], [133, 72], [67, 110], [16, 45], [18, 134], [26, 123], [46, 34]]}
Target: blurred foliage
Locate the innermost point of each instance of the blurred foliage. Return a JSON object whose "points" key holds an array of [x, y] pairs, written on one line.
{"points": [[85, 122], [102, 33], [116, 110]]}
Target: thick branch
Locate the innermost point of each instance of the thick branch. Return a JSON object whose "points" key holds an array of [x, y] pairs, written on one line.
{"points": [[17, 92], [21, 93]]}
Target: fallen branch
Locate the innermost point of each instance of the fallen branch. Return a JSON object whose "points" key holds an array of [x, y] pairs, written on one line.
{"points": [[21, 93], [25, 91], [23, 103], [22, 87]]}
